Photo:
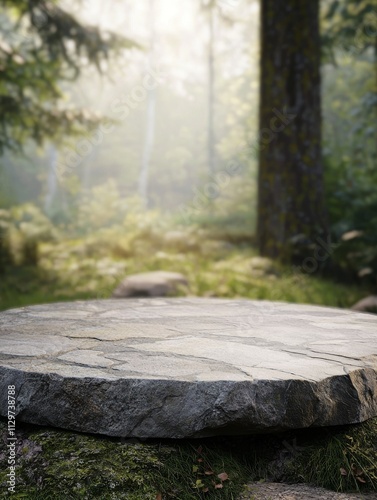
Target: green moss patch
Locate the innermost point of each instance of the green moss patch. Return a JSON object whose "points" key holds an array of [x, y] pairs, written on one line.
{"points": [[66, 465], [56, 464]]}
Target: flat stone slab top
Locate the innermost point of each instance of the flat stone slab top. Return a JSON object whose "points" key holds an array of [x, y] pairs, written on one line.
{"points": [[188, 367]]}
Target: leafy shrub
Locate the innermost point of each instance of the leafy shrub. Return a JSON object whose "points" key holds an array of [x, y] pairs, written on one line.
{"points": [[22, 228], [353, 210]]}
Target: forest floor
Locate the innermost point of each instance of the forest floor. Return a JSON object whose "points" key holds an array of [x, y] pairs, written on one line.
{"points": [[57, 464], [93, 266], [80, 466]]}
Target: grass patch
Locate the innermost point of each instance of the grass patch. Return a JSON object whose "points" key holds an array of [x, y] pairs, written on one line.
{"points": [[56, 464], [80, 270], [344, 460], [42, 263]]}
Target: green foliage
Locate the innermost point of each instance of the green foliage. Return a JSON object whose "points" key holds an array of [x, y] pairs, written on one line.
{"points": [[109, 217], [40, 46], [350, 155], [228, 212], [102, 207], [350, 174], [179, 160], [350, 25], [89, 261], [350, 130], [22, 228], [340, 460], [356, 201]]}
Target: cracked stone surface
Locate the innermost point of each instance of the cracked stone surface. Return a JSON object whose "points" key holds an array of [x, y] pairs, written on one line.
{"points": [[188, 367]]}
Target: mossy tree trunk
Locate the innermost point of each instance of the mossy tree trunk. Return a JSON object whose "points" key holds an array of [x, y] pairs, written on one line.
{"points": [[291, 199]]}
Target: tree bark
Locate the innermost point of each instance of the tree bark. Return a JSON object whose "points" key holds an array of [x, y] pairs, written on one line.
{"points": [[52, 183], [151, 116], [211, 91], [291, 200]]}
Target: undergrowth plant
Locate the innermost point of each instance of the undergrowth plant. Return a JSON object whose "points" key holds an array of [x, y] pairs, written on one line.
{"points": [[342, 459]]}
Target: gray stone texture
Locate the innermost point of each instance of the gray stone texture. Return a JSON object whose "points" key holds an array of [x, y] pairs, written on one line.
{"points": [[152, 284], [369, 304], [188, 367]]}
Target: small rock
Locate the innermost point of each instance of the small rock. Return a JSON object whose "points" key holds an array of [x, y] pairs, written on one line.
{"points": [[369, 304], [153, 284]]}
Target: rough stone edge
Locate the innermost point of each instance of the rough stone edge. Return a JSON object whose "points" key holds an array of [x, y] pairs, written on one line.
{"points": [[179, 409]]}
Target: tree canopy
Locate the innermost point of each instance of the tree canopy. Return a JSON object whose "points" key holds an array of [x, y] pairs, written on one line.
{"points": [[41, 46]]}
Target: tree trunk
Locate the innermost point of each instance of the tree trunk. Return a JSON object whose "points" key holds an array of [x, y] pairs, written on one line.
{"points": [[151, 117], [211, 92], [148, 147], [51, 179], [291, 199]]}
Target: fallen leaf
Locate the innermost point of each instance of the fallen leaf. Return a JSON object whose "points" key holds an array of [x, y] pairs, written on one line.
{"points": [[195, 468], [205, 490], [343, 471], [360, 479], [209, 472], [356, 470], [200, 460], [218, 486], [223, 476]]}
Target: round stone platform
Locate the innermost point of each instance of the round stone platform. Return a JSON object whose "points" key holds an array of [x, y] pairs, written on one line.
{"points": [[188, 367]]}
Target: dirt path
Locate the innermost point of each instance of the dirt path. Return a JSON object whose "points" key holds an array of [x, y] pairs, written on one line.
{"points": [[281, 491]]}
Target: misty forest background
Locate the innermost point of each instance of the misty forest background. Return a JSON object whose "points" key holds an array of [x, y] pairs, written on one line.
{"points": [[137, 136]]}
